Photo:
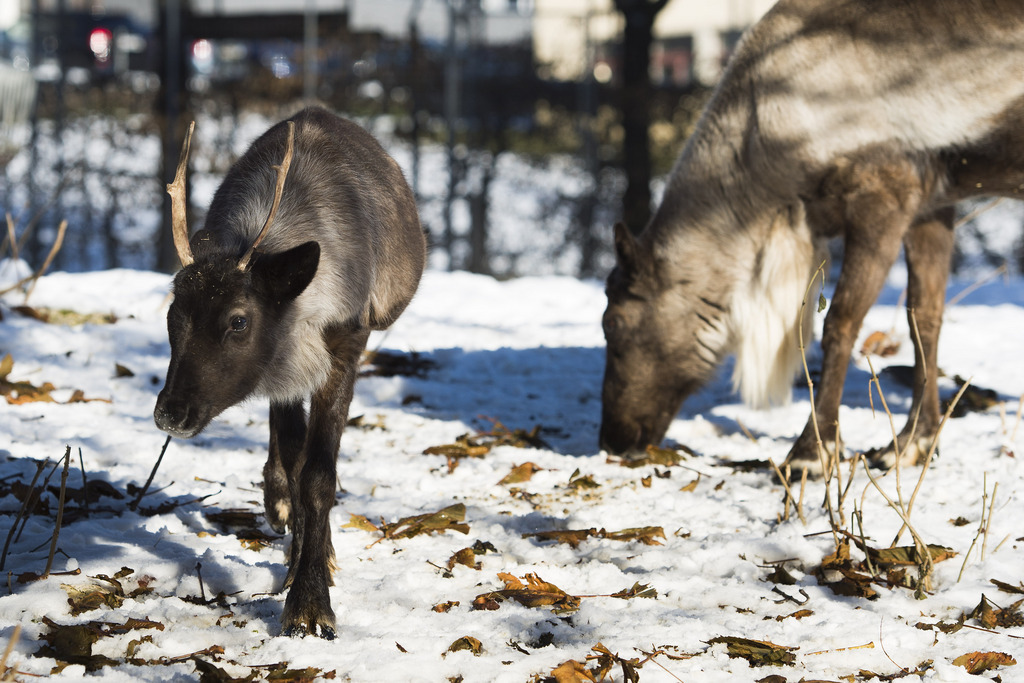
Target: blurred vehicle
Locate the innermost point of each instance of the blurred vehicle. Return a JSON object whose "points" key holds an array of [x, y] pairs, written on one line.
{"points": [[89, 46]]}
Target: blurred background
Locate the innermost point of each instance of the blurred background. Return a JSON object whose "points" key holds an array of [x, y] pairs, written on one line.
{"points": [[525, 127]]}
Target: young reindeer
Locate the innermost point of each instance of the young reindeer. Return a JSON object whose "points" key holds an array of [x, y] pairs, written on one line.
{"points": [[859, 119], [297, 263]]}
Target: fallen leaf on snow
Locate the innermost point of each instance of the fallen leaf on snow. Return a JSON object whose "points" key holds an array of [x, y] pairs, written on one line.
{"points": [[534, 593], [520, 473], [979, 662], [466, 643], [757, 652]]}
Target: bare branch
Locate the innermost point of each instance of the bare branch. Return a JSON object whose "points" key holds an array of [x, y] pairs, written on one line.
{"points": [[282, 173], [179, 206]]}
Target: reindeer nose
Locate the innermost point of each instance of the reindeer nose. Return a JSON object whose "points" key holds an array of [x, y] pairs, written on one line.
{"points": [[171, 416], [618, 441]]}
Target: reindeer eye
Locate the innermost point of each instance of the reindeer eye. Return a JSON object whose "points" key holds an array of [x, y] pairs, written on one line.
{"points": [[239, 323], [611, 323]]}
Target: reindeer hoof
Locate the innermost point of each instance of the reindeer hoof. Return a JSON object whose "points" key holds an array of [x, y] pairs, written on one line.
{"points": [[914, 453], [804, 456], [799, 465], [300, 631], [308, 612], [277, 516]]}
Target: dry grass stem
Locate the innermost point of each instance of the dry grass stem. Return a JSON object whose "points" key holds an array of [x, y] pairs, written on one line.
{"points": [[142, 492], [964, 220], [924, 556], [746, 432], [982, 525], [85, 482], [828, 464], [882, 646], [11, 241], [784, 480], [803, 490], [60, 511], [1001, 270], [8, 673], [23, 512], [61, 229], [988, 521], [865, 646], [931, 453]]}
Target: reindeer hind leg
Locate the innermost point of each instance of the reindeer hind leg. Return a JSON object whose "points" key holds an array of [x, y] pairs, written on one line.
{"points": [[928, 248]]}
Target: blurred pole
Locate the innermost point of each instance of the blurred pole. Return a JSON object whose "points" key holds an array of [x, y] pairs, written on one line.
{"points": [[310, 48], [414, 93], [32, 246], [589, 244], [170, 112], [451, 113], [58, 118], [635, 94]]}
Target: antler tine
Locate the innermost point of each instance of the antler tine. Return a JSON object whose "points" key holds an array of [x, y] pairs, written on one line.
{"points": [[282, 173], [179, 211]]}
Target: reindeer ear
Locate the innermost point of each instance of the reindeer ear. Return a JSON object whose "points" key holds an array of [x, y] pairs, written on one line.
{"points": [[625, 246], [287, 274]]}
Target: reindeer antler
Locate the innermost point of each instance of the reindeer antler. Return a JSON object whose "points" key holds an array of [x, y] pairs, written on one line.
{"points": [[282, 173], [179, 219]]}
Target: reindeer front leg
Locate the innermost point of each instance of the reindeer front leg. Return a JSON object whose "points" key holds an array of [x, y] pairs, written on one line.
{"points": [[287, 437], [311, 566], [879, 202], [928, 247]]}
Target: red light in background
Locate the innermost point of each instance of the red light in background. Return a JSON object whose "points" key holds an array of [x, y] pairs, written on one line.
{"points": [[99, 42]]}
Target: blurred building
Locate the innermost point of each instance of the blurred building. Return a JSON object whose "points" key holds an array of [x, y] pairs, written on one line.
{"points": [[693, 38]]}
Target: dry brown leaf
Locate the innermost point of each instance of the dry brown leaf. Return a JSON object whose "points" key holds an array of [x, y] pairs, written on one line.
{"points": [[798, 615], [449, 518], [605, 661], [880, 344], [980, 662], [992, 616], [648, 535], [654, 455], [579, 481], [65, 316], [905, 555], [637, 590], [757, 652], [534, 593], [466, 643], [520, 473], [359, 522], [1007, 587], [571, 537], [692, 486], [21, 393], [571, 671], [465, 557], [443, 607]]}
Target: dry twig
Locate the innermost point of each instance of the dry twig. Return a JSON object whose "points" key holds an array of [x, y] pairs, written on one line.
{"points": [[60, 511], [135, 503]]}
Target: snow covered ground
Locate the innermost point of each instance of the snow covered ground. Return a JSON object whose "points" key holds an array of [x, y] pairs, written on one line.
{"points": [[185, 586]]}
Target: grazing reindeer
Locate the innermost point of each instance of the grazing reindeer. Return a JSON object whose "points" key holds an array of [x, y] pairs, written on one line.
{"points": [[340, 253], [860, 119]]}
